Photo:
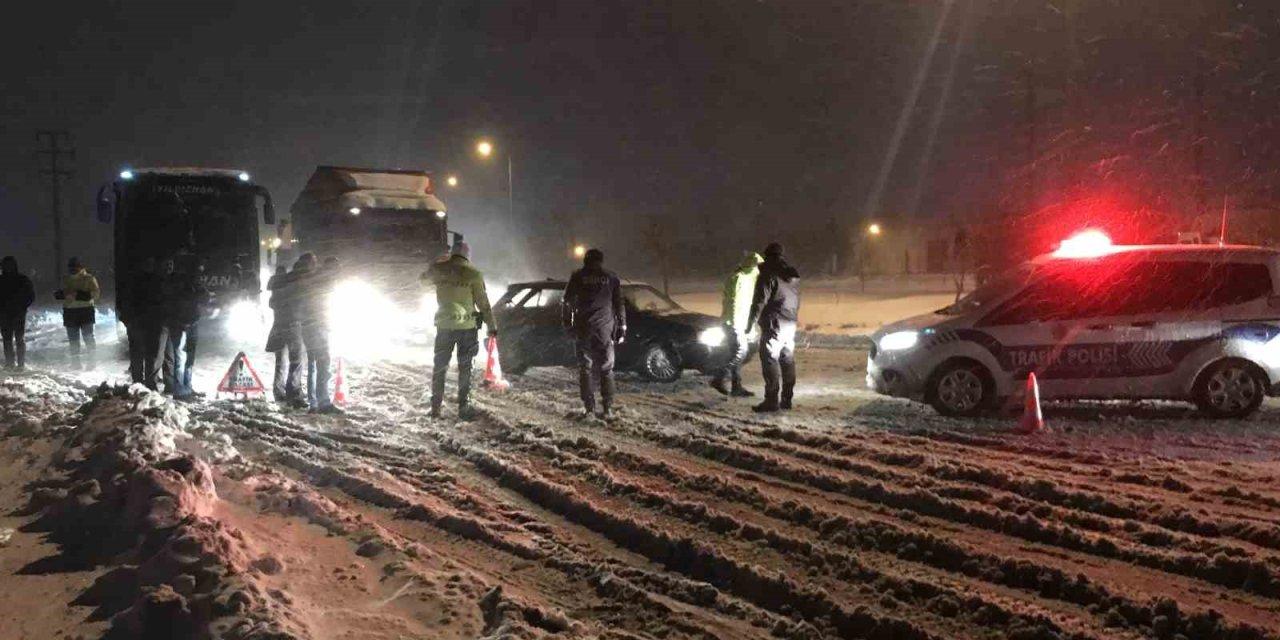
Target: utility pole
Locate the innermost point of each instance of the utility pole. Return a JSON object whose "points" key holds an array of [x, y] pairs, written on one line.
{"points": [[59, 148]]}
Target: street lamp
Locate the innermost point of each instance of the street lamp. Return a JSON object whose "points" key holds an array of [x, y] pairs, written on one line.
{"points": [[579, 251], [873, 231], [485, 149], [452, 181]]}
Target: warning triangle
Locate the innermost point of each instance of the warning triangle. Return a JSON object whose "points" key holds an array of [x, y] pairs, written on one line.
{"points": [[241, 378]]}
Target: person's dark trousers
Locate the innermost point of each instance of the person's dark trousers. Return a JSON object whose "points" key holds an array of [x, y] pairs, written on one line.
{"points": [[14, 331], [467, 344], [144, 351], [79, 325], [287, 385], [733, 370], [315, 339], [595, 360], [777, 361], [178, 368]]}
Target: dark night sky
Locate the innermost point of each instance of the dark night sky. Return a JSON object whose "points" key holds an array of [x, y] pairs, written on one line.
{"points": [[734, 119]]}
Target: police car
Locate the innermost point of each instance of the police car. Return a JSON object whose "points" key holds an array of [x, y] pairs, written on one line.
{"points": [[1098, 321]]}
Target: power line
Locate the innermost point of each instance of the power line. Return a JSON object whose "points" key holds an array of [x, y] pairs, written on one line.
{"points": [[59, 148]]}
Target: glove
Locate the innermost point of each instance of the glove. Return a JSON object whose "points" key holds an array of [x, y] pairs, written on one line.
{"points": [[59, 295], [620, 334], [493, 333], [83, 296]]}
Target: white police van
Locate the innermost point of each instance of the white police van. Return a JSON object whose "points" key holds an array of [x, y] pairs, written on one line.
{"points": [[1178, 322]]}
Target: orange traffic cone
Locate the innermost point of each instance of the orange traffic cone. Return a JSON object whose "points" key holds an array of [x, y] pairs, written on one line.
{"points": [[1032, 418], [339, 386], [493, 369]]}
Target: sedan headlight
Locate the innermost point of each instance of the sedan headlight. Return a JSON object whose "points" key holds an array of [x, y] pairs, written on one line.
{"points": [[713, 337], [899, 340]]}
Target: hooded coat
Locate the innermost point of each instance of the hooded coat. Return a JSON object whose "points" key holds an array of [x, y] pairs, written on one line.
{"points": [[80, 290], [460, 294], [16, 291], [739, 290], [776, 301]]}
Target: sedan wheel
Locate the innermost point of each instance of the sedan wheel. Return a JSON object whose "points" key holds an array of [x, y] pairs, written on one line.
{"points": [[659, 364], [1230, 389], [960, 389]]}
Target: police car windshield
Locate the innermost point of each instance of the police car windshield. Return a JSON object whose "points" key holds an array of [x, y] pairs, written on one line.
{"points": [[995, 290]]}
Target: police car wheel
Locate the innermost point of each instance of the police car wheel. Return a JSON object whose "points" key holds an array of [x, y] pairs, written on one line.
{"points": [[1230, 389], [961, 389], [659, 364]]}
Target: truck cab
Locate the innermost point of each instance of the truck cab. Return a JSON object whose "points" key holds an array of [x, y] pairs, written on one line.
{"points": [[209, 216]]}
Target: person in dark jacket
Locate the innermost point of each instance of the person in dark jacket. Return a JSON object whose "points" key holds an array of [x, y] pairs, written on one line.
{"points": [[285, 341], [145, 322], [312, 286], [594, 311], [776, 306], [462, 303], [16, 295], [185, 299]]}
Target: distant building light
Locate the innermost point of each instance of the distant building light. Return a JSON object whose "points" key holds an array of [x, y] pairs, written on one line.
{"points": [[126, 175], [355, 211], [440, 214], [244, 177]]}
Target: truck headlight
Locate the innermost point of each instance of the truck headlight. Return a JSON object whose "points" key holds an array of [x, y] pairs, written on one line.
{"points": [[713, 337], [899, 340]]}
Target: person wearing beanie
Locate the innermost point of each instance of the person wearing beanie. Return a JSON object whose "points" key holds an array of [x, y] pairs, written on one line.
{"points": [[739, 288], [16, 295], [594, 312], [79, 294], [462, 305], [775, 305]]}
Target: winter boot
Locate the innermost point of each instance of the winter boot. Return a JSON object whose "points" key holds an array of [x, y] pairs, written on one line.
{"points": [[720, 385], [467, 413], [785, 405], [768, 406], [740, 391]]}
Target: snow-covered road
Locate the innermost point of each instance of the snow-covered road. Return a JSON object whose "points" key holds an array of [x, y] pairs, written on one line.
{"points": [[852, 517]]}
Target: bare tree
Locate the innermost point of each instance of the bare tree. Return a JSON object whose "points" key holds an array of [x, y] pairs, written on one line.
{"points": [[660, 238]]}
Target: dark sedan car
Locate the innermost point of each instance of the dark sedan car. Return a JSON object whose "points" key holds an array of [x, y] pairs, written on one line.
{"points": [[663, 339]]}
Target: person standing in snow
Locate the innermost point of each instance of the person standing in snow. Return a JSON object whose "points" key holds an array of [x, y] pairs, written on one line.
{"points": [[312, 286], [776, 306], [185, 298], [17, 294], [739, 288], [462, 305], [145, 322], [285, 340], [594, 311], [79, 294]]}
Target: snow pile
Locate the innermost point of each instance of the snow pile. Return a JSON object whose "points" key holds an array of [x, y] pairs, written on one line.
{"points": [[128, 498]]}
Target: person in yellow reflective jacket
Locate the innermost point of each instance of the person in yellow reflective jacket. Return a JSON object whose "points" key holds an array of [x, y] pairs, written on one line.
{"points": [[463, 304], [79, 295], [739, 287]]}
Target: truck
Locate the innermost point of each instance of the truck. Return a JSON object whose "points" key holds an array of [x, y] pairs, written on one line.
{"points": [[385, 226], [218, 219]]}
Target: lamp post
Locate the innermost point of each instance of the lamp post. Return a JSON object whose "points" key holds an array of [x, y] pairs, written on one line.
{"points": [[485, 149], [873, 231], [452, 181]]}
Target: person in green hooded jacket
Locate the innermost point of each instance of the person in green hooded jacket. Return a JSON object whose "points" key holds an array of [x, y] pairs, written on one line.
{"points": [[463, 304], [739, 287]]}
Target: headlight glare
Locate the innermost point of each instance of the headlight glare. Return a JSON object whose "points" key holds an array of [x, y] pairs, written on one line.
{"points": [[899, 340], [713, 337]]}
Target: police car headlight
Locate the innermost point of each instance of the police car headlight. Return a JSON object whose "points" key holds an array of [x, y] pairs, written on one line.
{"points": [[899, 340], [713, 337]]}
